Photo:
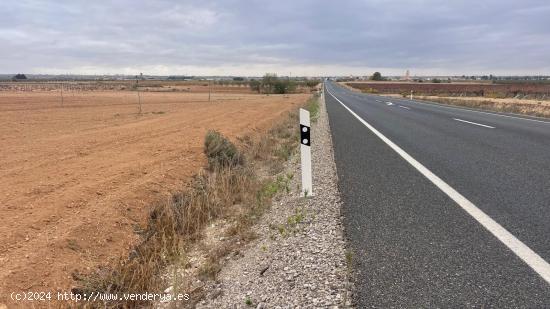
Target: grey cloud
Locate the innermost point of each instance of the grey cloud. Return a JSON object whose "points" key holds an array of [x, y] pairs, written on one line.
{"points": [[247, 36]]}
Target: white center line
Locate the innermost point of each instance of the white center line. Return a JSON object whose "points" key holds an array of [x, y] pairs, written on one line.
{"points": [[474, 123], [404, 107], [530, 257]]}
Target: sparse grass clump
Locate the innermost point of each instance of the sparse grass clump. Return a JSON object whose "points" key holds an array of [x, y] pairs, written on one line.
{"points": [[248, 301], [313, 107]]}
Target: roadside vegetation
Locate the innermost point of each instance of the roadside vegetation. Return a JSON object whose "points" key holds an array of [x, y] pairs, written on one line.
{"points": [[238, 184], [272, 84]]}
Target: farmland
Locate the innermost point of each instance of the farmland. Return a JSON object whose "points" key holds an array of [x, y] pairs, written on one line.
{"points": [[81, 168]]}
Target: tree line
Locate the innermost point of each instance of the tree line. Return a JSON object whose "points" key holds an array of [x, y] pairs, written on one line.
{"points": [[271, 83]]}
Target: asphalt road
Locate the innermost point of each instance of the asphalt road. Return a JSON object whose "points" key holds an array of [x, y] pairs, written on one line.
{"points": [[415, 244]]}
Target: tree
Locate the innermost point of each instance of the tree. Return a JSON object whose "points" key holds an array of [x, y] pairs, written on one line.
{"points": [[436, 80], [19, 77], [254, 85], [377, 76], [268, 82], [312, 83]]}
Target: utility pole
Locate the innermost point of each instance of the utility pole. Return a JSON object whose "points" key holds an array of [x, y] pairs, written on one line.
{"points": [[139, 97], [61, 94], [209, 89]]}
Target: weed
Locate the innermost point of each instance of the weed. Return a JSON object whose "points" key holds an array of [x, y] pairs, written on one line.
{"points": [[248, 301], [73, 245], [284, 151], [296, 218], [290, 175], [282, 230]]}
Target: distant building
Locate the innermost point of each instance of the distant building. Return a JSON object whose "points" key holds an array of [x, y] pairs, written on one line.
{"points": [[407, 76]]}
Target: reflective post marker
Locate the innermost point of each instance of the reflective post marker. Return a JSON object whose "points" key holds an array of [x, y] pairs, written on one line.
{"points": [[305, 153]]}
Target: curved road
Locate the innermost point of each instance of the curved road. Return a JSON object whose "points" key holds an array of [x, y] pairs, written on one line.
{"points": [[443, 206]]}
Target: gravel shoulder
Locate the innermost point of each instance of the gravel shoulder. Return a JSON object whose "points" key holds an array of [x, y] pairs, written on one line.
{"points": [[299, 258]]}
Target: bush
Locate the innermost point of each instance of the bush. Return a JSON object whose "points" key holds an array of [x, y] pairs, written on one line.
{"points": [[284, 86], [254, 85], [220, 151]]}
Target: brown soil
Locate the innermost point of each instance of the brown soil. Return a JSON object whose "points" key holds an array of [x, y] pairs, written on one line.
{"points": [[77, 180]]}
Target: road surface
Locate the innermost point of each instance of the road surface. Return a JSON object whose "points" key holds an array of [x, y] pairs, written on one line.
{"points": [[443, 206]]}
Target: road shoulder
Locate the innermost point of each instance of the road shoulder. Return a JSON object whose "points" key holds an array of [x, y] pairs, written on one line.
{"points": [[299, 258]]}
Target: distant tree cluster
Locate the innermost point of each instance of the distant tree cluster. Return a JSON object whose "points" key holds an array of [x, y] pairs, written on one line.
{"points": [[270, 83], [20, 77], [377, 76], [178, 77], [312, 83]]}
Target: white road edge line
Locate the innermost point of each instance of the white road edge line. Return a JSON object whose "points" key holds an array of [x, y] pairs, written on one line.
{"points": [[404, 107], [530, 257], [474, 123]]}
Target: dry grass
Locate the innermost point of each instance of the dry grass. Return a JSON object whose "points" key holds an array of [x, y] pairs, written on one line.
{"points": [[229, 180], [538, 110]]}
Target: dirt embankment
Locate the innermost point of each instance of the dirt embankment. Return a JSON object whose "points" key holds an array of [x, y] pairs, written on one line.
{"points": [[77, 180]]}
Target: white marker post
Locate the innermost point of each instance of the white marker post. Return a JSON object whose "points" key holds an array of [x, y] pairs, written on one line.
{"points": [[411, 95], [305, 151]]}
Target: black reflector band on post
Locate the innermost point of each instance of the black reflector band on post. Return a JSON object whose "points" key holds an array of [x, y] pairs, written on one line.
{"points": [[305, 135]]}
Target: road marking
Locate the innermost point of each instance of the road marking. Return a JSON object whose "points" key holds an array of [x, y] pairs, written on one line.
{"points": [[479, 112], [530, 257], [474, 111], [474, 123], [404, 107], [389, 103]]}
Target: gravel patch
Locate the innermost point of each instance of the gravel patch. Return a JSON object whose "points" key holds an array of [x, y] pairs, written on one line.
{"points": [[299, 258]]}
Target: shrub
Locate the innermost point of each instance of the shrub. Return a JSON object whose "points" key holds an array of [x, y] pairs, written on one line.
{"points": [[221, 152], [283, 86]]}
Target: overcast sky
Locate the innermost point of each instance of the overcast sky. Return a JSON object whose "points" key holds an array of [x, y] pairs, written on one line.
{"points": [[302, 37]]}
